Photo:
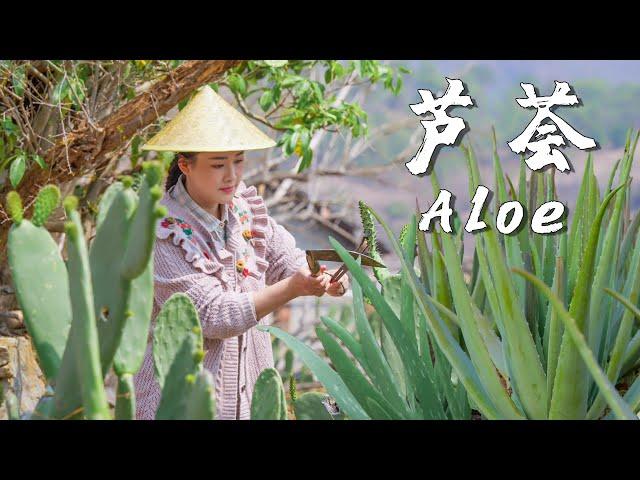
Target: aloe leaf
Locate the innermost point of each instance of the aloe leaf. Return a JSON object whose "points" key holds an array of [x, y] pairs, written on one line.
{"points": [[618, 405], [624, 330], [596, 325], [329, 378], [345, 337], [521, 352], [555, 329], [570, 390], [627, 244], [376, 364], [357, 383], [627, 303], [449, 346], [425, 391]]}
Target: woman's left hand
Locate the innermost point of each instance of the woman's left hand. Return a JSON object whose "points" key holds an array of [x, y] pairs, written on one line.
{"points": [[339, 288]]}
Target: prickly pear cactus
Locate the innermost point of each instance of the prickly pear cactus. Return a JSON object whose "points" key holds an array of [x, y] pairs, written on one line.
{"points": [[269, 401], [41, 280], [81, 359], [201, 402], [129, 226], [94, 310], [177, 320], [129, 219], [180, 380], [178, 356]]}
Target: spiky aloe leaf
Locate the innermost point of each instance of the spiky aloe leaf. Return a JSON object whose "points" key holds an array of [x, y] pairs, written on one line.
{"points": [[570, 390], [426, 394], [619, 407], [353, 377], [442, 335], [329, 378]]}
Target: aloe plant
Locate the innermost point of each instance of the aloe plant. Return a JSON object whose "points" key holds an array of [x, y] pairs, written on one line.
{"points": [[531, 354], [394, 375], [543, 328]]}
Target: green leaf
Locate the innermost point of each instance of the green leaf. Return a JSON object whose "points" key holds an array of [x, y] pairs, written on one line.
{"points": [[376, 364], [625, 328], [60, 91], [424, 387], [570, 389], [606, 262], [525, 368], [619, 407], [441, 333], [345, 337], [329, 378], [628, 304], [16, 171], [10, 127], [266, 100], [237, 84], [353, 378], [39, 160]]}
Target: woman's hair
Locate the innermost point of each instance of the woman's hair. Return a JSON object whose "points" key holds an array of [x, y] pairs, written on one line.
{"points": [[174, 169]]}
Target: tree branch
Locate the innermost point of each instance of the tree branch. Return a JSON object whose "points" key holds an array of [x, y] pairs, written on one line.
{"points": [[89, 148]]}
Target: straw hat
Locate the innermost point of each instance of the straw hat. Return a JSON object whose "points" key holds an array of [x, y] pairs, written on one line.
{"points": [[209, 124]]}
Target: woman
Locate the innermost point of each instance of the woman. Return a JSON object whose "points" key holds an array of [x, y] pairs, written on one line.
{"points": [[219, 246]]}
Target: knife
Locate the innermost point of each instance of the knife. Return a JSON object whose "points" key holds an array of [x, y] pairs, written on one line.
{"points": [[313, 257]]}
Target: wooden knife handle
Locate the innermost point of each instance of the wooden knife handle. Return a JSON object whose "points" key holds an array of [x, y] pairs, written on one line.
{"points": [[314, 265]]}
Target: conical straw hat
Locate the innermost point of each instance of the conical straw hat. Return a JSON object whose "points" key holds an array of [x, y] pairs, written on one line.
{"points": [[209, 124]]}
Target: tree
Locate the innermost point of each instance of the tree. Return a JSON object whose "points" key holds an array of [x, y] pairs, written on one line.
{"points": [[64, 121]]}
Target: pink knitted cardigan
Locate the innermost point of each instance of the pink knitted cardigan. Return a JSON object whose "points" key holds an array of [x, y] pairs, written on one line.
{"points": [[235, 351]]}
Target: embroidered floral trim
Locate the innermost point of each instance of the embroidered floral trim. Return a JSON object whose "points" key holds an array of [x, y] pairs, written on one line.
{"points": [[182, 235], [168, 221], [258, 225], [251, 212]]}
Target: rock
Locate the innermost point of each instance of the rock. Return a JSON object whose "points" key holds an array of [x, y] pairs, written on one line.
{"points": [[5, 368], [12, 319], [20, 373], [8, 300]]}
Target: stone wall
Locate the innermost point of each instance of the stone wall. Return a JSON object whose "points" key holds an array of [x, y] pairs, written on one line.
{"points": [[20, 373]]}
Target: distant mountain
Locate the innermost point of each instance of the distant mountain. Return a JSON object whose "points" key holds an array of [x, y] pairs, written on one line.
{"points": [[612, 71]]}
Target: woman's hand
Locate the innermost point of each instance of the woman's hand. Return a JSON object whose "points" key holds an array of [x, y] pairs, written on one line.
{"points": [[339, 288], [303, 283]]}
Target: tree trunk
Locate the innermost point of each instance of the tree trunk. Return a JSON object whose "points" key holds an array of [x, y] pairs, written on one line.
{"points": [[87, 149]]}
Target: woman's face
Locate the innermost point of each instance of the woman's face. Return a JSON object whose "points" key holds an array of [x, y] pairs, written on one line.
{"points": [[212, 177]]}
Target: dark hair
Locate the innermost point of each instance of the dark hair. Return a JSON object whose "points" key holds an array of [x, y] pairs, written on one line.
{"points": [[174, 169]]}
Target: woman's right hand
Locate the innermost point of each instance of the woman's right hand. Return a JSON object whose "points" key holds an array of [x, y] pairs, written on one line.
{"points": [[303, 283]]}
